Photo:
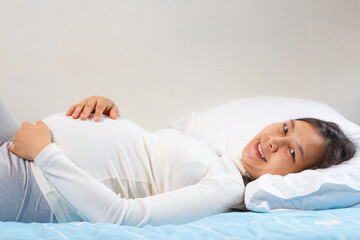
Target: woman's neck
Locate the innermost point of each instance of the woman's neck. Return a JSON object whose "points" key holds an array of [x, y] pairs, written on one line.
{"points": [[243, 172]]}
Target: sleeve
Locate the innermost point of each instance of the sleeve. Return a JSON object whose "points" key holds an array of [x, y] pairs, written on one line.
{"points": [[98, 203]]}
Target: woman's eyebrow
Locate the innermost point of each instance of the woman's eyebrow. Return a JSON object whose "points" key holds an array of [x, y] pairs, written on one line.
{"points": [[292, 122]]}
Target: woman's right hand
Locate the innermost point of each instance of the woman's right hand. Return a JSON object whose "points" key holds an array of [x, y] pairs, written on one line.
{"points": [[101, 105]]}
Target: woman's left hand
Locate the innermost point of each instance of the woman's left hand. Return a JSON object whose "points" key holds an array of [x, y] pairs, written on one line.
{"points": [[30, 140]]}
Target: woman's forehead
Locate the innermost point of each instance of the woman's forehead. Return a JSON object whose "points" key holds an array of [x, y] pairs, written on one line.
{"points": [[310, 139]]}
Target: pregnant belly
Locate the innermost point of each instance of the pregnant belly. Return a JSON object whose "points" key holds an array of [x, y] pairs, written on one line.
{"points": [[106, 149]]}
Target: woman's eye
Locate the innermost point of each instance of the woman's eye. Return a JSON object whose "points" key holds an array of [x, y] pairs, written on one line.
{"points": [[292, 152], [286, 129]]}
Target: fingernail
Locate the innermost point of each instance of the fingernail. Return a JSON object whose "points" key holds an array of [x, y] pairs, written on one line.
{"points": [[96, 118]]}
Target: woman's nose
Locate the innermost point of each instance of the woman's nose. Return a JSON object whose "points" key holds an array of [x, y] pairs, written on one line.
{"points": [[273, 143]]}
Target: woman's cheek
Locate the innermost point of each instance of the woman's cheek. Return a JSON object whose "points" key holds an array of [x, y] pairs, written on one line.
{"points": [[279, 165]]}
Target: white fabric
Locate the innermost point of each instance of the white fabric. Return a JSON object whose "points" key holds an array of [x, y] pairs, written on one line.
{"points": [[114, 171], [228, 128]]}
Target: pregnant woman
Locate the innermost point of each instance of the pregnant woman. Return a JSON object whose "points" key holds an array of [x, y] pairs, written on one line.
{"points": [[111, 170]]}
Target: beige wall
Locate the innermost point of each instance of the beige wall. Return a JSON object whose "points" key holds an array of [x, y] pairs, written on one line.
{"points": [[160, 60]]}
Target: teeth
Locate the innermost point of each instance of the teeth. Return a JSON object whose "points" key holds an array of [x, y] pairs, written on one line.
{"points": [[260, 151]]}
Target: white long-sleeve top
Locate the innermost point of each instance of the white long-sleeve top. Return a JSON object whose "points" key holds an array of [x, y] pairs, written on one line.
{"points": [[114, 171]]}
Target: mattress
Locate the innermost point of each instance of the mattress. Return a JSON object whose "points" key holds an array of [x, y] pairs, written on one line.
{"points": [[327, 224]]}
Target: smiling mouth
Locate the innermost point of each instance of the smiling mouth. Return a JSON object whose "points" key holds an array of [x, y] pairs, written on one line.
{"points": [[261, 152]]}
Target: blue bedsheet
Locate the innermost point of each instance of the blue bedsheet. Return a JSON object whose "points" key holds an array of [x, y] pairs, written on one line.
{"points": [[329, 224]]}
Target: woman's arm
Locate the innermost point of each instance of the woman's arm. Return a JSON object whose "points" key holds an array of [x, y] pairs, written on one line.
{"points": [[101, 105], [98, 203]]}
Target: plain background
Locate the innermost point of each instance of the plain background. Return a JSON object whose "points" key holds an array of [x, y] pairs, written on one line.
{"points": [[161, 60]]}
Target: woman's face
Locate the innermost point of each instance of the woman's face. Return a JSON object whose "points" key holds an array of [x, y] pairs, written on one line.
{"points": [[283, 148]]}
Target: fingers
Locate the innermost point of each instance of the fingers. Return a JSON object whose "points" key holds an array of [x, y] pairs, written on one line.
{"points": [[25, 123], [15, 150], [82, 109], [79, 109], [114, 112], [89, 107], [100, 107], [40, 123], [71, 110], [12, 148]]}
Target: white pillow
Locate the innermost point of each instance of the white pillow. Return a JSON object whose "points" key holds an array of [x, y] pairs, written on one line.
{"points": [[228, 128]]}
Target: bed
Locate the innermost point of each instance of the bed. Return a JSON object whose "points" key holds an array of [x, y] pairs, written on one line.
{"points": [[341, 223], [329, 198], [159, 60]]}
